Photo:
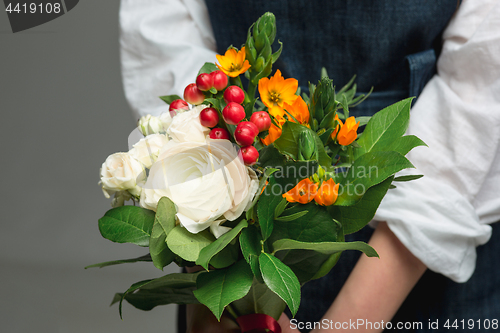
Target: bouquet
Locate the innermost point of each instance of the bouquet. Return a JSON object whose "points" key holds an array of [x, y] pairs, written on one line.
{"points": [[257, 189]]}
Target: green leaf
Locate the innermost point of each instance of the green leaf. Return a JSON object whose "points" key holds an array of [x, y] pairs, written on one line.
{"points": [[385, 127], [171, 288], [262, 183], [407, 178], [277, 54], [288, 142], [368, 170], [146, 257], [260, 299], [226, 257], [324, 247], [315, 226], [127, 224], [211, 250], [281, 280], [216, 289], [403, 145], [208, 68], [169, 98], [266, 206], [355, 217], [187, 245], [292, 217], [250, 243], [280, 208], [164, 222]]}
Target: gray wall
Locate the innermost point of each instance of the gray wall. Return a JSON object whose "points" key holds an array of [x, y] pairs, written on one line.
{"points": [[63, 112]]}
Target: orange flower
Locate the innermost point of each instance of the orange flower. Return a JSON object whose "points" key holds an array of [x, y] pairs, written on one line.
{"points": [[335, 131], [233, 62], [348, 132], [276, 90], [327, 193], [275, 131], [303, 192], [298, 110]]}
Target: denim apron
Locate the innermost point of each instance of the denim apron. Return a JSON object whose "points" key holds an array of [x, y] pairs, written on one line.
{"points": [[391, 45]]}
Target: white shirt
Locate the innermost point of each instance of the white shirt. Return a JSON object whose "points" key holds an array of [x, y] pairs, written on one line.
{"points": [[440, 218]]}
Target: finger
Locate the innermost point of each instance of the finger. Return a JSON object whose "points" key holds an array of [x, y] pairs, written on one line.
{"points": [[284, 322]]}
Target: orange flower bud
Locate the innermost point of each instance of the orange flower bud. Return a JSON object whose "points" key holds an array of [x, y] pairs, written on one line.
{"points": [[303, 192], [327, 193], [348, 132], [336, 130]]}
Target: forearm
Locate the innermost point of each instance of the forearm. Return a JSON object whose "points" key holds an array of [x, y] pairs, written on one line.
{"points": [[376, 288]]}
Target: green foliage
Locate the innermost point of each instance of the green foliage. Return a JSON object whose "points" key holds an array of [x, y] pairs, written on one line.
{"points": [[187, 245], [127, 224], [315, 226], [385, 127], [407, 178], [324, 247], [169, 98], [212, 249], [281, 280], [146, 257], [172, 288], [269, 200], [208, 68], [355, 217], [216, 289], [260, 299], [164, 222], [288, 142], [250, 243], [368, 170]]}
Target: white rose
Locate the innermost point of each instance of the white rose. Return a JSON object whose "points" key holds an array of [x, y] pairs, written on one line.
{"points": [[207, 182], [149, 124], [122, 172], [166, 120], [147, 149], [186, 126]]}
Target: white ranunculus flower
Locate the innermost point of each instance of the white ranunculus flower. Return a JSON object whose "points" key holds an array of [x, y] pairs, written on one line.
{"points": [[149, 124], [122, 172], [207, 182], [147, 149], [186, 126]]}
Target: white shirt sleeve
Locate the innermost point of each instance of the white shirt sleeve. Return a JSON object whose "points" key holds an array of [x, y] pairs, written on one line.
{"points": [[442, 217], [163, 45]]}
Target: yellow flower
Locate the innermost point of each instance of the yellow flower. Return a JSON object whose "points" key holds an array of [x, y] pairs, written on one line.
{"points": [[298, 110], [348, 131], [276, 91], [233, 62], [303, 192], [327, 193]]}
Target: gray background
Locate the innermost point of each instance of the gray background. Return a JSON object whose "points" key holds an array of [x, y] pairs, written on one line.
{"points": [[63, 111]]}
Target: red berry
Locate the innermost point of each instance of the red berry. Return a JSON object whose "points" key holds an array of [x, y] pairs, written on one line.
{"points": [[233, 113], [245, 133], [193, 95], [220, 80], [219, 133], [177, 104], [262, 120], [234, 94], [209, 117], [204, 81], [250, 155]]}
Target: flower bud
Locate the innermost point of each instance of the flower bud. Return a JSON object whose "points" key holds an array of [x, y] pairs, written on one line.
{"points": [[307, 147], [327, 193], [149, 124], [348, 132]]}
